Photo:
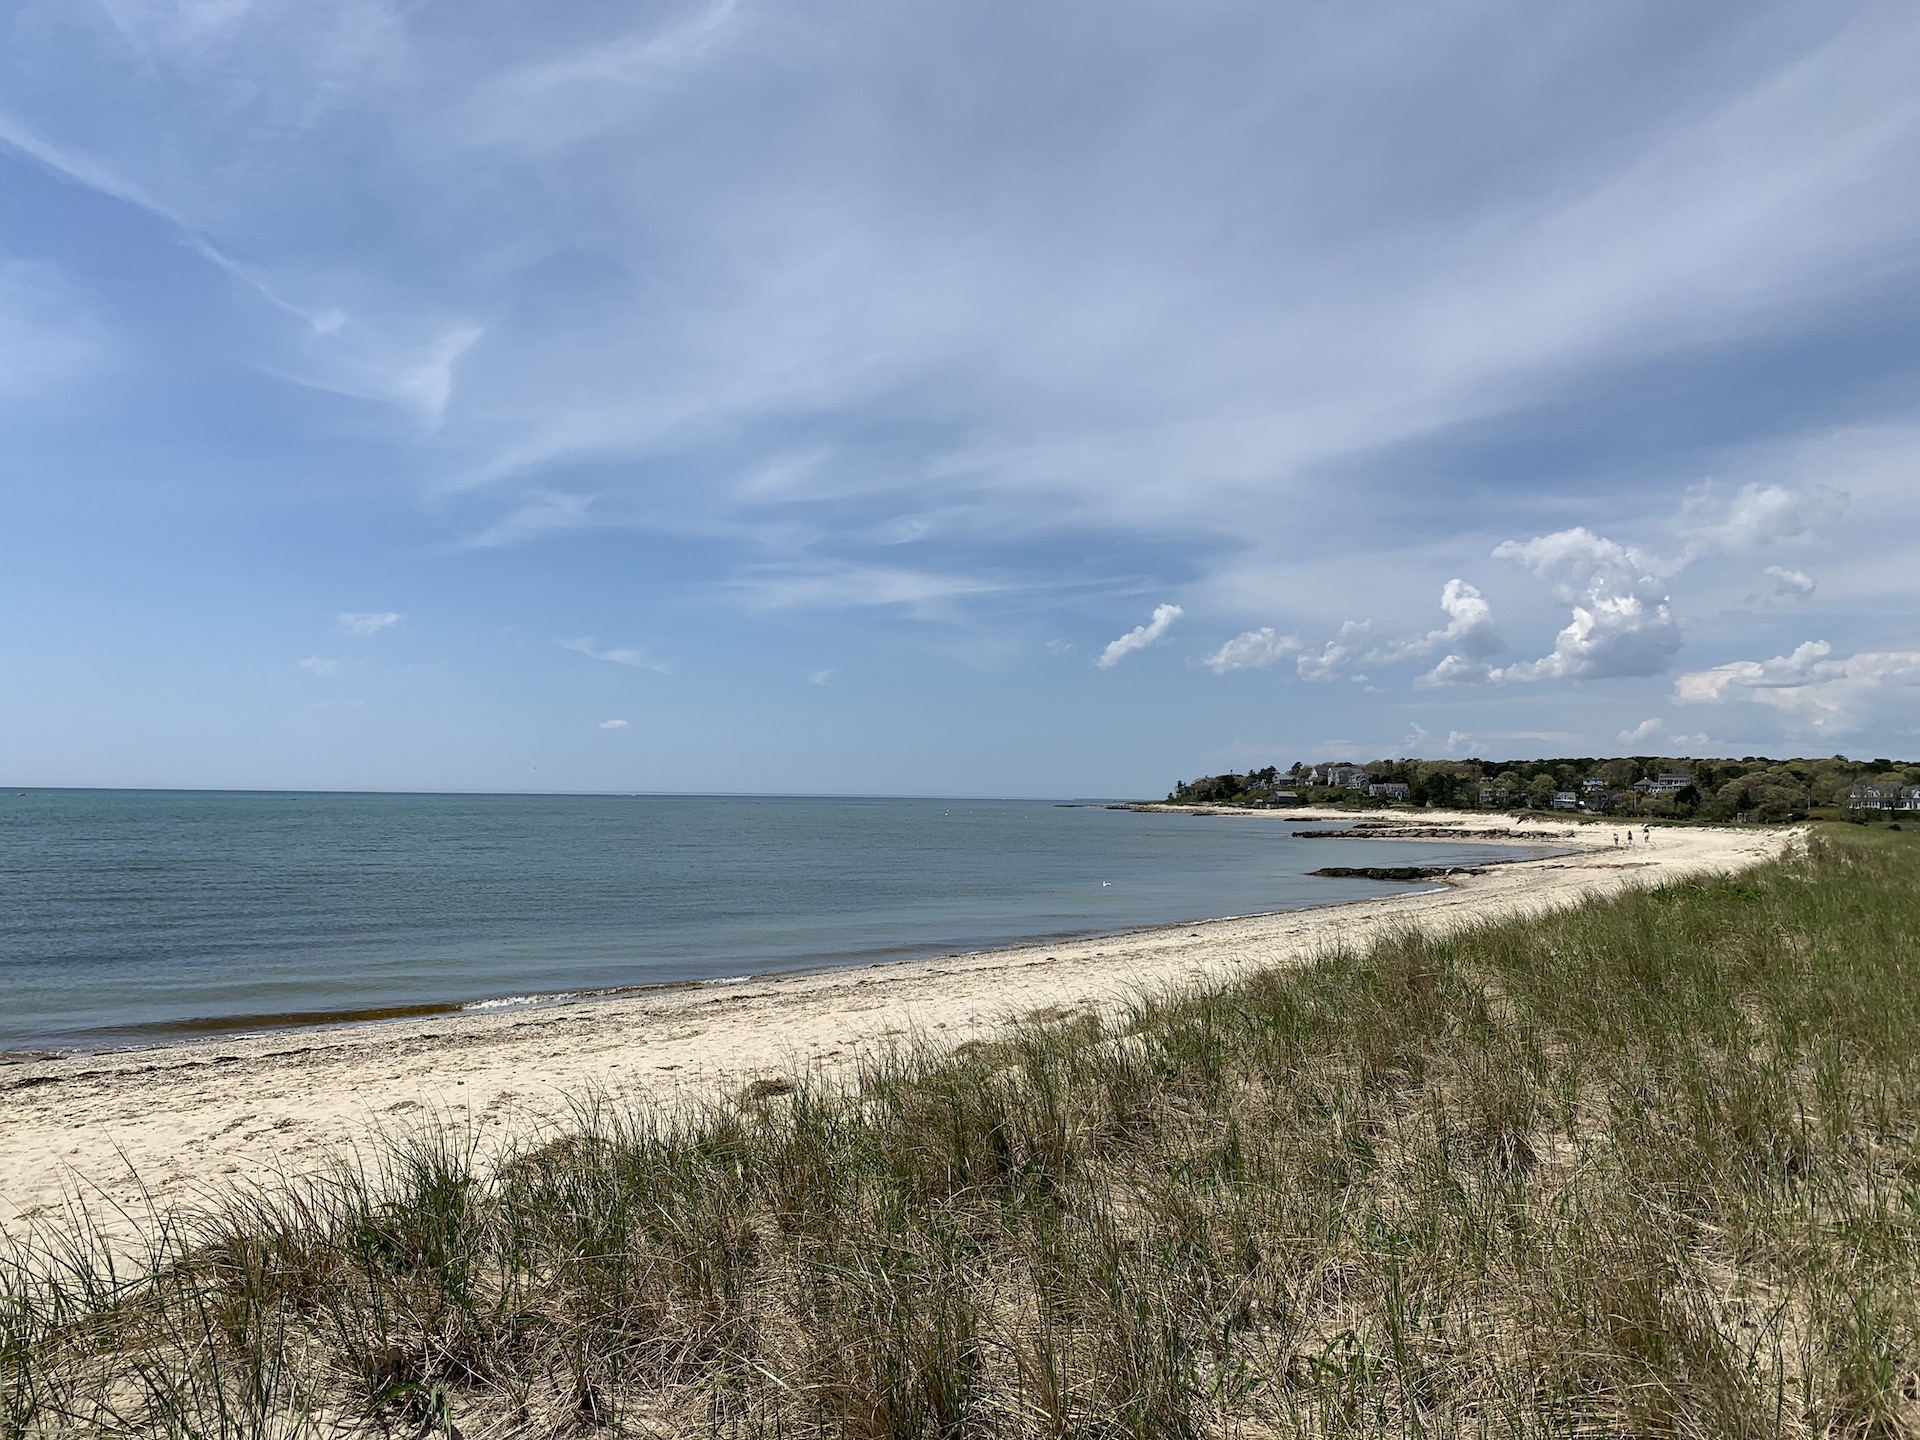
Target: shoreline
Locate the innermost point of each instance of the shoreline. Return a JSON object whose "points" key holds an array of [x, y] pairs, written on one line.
{"points": [[140, 1037], [142, 1130]]}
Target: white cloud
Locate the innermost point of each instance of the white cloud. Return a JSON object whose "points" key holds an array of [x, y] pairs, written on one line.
{"points": [[1140, 636], [819, 677], [869, 256], [1653, 728], [1330, 659], [614, 655], [1469, 630], [1760, 514], [613, 725], [1459, 741], [368, 622], [1622, 623], [1816, 694], [838, 586], [318, 665], [1796, 584], [547, 513], [1253, 650], [1455, 670], [1469, 638]]}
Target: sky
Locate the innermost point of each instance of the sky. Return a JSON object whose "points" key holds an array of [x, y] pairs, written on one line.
{"points": [[966, 399]]}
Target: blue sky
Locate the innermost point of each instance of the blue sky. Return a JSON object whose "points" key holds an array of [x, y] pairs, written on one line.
{"points": [[971, 399]]}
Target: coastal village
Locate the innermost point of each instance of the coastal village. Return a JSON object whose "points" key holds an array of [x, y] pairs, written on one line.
{"points": [[1754, 789]]}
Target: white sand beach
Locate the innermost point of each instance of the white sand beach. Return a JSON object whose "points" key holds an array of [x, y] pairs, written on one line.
{"points": [[165, 1126]]}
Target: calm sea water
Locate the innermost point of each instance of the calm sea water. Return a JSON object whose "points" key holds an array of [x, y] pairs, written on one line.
{"points": [[133, 916]]}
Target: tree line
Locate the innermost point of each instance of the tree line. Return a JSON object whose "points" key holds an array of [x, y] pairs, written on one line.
{"points": [[1754, 787]]}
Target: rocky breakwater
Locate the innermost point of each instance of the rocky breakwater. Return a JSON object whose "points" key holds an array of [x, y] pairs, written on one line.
{"points": [[1396, 872]]}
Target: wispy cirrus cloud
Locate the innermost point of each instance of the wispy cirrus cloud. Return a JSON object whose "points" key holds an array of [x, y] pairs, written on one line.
{"points": [[546, 512], [828, 585], [615, 654], [368, 622], [1040, 328], [52, 331]]}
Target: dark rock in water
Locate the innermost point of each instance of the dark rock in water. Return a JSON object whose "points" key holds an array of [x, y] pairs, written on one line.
{"points": [[1394, 872]]}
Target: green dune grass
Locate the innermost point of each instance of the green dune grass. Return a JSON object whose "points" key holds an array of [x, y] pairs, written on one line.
{"points": [[1649, 1166]]}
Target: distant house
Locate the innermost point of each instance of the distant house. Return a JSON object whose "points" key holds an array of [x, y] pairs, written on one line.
{"points": [[1389, 792], [1566, 800], [1285, 797], [1592, 785], [1909, 798], [1495, 797], [1668, 781], [1867, 795], [1348, 777]]}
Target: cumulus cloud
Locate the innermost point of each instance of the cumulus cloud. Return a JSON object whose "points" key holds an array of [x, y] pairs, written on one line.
{"points": [[1758, 515], [1332, 658], [368, 622], [613, 724], [614, 654], [1469, 638], [1469, 630], [1622, 621], [1816, 693], [1140, 637], [1795, 584], [1252, 650]]}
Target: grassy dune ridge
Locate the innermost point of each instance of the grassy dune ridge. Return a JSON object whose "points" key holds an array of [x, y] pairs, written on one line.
{"points": [[1650, 1165]]}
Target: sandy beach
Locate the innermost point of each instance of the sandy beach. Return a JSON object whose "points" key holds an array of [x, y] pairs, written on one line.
{"points": [[175, 1122]]}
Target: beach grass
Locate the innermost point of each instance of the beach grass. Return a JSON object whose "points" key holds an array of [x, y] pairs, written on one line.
{"points": [[1647, 1166]]}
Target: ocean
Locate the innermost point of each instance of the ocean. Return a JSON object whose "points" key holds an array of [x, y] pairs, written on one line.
{"points": [[137, 917]]}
